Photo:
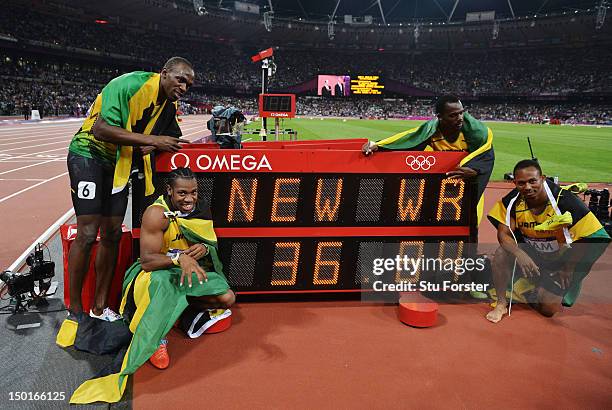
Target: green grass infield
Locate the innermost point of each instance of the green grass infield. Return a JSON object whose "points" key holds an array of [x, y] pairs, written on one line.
{"points": [[573, 153]]}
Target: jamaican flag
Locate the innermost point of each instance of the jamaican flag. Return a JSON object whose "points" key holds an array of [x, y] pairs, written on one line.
{"points": [[151, 304], [475, 138], [129, 102], [564, 223]]}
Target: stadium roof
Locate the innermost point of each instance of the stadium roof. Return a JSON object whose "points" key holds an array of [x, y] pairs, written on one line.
{"points": [[406, 10], [299, 23]]}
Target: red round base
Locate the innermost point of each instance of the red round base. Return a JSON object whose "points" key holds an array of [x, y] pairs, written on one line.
{"points": [[422, 314], [221, 326]]}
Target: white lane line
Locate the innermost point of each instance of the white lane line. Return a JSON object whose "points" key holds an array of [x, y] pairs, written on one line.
{"points": [[6, 198], [5, 130], [21, 128], [37, 140], [20, 261], [193, 133], [68, 132], [23, 179], [34, 153], [26, 166], [31, 160], [34, 146]]}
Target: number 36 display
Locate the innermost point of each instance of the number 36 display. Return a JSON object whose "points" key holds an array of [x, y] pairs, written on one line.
{"points": [[311, 216]]}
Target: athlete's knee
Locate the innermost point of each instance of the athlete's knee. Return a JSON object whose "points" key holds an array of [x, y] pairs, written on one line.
{"points": [[227, 300], [548, 309], [501, 259], [86, 235], [111, 235]]}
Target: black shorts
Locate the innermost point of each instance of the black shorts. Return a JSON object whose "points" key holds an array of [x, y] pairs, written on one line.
{"points": [[91, 185]]}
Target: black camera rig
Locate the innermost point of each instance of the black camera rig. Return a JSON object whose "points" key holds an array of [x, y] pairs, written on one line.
{"points": [[21, 286]]}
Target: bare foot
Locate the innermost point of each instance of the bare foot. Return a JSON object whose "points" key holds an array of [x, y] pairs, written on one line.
{"points": [[497, 313]]}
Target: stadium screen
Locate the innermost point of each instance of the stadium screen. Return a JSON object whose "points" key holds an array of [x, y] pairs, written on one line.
{"points": [[367, 85], [333, 85]]}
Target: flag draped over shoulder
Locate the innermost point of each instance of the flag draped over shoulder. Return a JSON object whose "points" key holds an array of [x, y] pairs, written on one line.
{"points": [[479, 140], [151, 304], [584, 230], [130, 102]]}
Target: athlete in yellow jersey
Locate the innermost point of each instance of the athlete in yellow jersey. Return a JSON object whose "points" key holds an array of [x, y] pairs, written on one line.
{"points": [[163, 244], [179, 277], [453, 129], [551, 234], [135, 109]]}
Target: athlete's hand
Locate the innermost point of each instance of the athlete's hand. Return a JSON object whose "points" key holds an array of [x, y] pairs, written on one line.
{"points": [[369, 147], [189, 267], [565, 277], [146, 149], [197, 251], [461, 173], [168, 144], [527, 265]]}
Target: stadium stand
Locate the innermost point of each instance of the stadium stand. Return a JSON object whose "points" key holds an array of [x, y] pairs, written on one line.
{"points": [[58, 68]]}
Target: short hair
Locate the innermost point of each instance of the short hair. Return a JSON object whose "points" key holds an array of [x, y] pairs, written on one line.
{"points": [[443, 100], [527, 163], [179, 173], [174, 61]]}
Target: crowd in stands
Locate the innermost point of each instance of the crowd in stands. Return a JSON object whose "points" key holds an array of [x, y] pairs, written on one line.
{"points": [[57, 99], [410, 108], [479, 72], [65, 85]]}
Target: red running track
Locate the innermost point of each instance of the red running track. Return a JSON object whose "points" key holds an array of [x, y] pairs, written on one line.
{"points": [[34, 184]]}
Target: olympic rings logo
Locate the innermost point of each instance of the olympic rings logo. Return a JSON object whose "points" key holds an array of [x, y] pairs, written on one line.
{"points": [[420, 162]]}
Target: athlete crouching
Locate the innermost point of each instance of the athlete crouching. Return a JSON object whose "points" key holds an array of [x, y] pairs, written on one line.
{"points": [[548, 242], [178, 254], [178, 277]]}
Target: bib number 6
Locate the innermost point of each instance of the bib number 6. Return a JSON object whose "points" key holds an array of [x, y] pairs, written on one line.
{"points": [[86, 190]]}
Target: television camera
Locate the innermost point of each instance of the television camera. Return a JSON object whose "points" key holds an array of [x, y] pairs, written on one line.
{"points": [[19, 285]]}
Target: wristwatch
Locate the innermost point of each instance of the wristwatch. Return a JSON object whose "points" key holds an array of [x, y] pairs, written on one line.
{"points": [[175, 259]]}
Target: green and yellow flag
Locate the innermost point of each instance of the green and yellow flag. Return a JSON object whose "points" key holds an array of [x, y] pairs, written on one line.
{"points": [[475, 138], [152, 302], [129, 102]]}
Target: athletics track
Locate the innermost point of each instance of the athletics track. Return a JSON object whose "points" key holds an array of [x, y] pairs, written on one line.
{"points": [[335, 354]]}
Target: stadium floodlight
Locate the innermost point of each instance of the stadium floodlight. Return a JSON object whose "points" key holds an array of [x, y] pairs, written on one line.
{"points": [[601, 14], [330, 30], [200, 10], [267, 20]]}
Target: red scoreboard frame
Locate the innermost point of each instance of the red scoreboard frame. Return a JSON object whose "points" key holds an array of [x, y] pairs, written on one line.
{"points": [[277, 105], [309, 216]]}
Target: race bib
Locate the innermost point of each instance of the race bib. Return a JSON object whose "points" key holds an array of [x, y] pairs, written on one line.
{"points": [[543, 245], [86, 190]]}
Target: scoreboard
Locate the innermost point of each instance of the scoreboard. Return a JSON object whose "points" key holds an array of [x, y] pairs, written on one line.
{"points": [[310, 216], [367, 85], [277, 105]]}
